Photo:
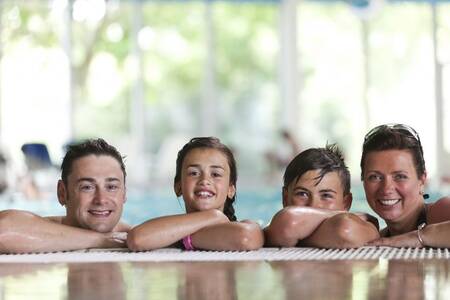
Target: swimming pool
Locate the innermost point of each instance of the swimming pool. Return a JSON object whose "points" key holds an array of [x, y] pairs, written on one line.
{"points": [[257, 204]]}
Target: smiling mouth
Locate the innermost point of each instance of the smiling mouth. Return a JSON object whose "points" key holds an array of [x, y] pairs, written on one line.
{"points": [[204, 194], [100, 213], [388, 202]]}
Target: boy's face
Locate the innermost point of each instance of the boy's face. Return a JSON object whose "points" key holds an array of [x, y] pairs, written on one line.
{"points": [[326, 194]]}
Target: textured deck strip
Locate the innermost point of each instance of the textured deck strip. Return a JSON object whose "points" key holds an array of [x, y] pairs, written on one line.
{"points": [[266, 254]]}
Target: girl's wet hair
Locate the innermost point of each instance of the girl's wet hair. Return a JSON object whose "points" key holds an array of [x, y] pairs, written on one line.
{"points": [[394, 137], [211, 143], [328, 159]]}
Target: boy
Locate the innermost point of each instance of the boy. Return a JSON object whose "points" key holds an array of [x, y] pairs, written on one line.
{"points": [[316, 200]]}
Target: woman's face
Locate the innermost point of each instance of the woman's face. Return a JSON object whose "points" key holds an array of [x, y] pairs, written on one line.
{"points": [[393, 189], [205, 180]]}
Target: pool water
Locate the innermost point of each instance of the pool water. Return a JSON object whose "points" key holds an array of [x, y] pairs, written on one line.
{"points": [[259, 205]]}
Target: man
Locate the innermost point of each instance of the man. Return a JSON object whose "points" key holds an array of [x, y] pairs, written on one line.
{"points": [[316, 200], [92, 188]]}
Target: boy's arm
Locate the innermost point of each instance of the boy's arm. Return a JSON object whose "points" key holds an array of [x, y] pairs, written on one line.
{"points": [[25, 232], [295, 223], [238, 236], [165, 231], [344, 230]]}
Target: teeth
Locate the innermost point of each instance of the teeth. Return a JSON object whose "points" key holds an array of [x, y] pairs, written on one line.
{"points": [[100, 212], [389, 202], [204, 194]]}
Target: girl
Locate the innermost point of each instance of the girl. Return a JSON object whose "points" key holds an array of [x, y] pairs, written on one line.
{"points": [[206, 179], [393, 172]]}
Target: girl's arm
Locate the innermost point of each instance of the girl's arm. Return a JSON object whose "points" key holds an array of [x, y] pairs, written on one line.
{"points": [[436, 234], [295, 223], [164, 231], [237, 236]]}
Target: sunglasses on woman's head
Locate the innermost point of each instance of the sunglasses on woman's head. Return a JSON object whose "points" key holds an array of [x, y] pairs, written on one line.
{"points": [[403, 129]]}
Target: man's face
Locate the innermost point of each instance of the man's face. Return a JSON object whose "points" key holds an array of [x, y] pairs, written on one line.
{"points": [[94, 194], [327, 193]]}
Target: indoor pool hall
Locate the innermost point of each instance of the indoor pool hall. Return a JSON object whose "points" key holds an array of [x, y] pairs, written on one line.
{"points": [[224, 149]]}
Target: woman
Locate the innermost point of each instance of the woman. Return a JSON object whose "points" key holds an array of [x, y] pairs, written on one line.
{"points": [[394, 175]]}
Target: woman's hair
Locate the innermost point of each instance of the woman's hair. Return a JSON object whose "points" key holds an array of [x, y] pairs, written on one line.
{"points": [[211, 143], [394, 137], [326, 160]]}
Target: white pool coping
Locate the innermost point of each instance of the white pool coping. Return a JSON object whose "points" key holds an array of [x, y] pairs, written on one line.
{"points": [[264, 254]]}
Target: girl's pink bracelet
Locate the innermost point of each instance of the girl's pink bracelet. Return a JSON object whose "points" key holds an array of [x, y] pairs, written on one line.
{"points": [[187, 243]]}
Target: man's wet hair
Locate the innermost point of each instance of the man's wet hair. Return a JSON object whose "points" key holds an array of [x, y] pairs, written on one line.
{"points": [[90, 146]]}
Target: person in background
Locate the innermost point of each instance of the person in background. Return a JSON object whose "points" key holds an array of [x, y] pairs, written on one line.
{"points": [[206, 178], [92, 188], [316, 199], [279, 158], [394, 176]]}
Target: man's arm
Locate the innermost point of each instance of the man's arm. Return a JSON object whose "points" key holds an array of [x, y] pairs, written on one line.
{"points": [[25, 232], [295, 223], [237, 236], [344, 230]]}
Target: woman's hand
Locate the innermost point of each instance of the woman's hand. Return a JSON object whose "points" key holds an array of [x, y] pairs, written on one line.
{"points": [[408, 239]]}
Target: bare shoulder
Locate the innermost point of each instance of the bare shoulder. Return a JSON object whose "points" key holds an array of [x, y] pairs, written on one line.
{"points": [[56, 219], [439, 211]]}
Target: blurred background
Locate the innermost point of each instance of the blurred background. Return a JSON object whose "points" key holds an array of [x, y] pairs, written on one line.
{"points": [[269, 78]]}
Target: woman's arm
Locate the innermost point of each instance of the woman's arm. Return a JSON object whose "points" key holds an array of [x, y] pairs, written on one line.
{"points": [[436, 234], [294, 223], [238, 236], [165, 231]]}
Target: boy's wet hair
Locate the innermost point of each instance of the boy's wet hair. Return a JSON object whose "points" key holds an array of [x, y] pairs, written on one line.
{"points": [[91, 146], [328, 159], [211, 143]]}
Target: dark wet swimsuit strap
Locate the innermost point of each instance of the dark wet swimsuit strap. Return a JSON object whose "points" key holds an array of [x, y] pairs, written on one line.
{"points": [[423, 216], [421, 219]]}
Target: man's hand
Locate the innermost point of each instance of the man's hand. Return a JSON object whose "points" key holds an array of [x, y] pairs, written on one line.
{"points": [[116, 239]]}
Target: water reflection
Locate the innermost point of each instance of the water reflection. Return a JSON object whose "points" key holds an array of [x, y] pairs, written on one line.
{"points": [[319, 279], [32, 281], [206, 280], [95, 281], [418, 279], [372, 279]]}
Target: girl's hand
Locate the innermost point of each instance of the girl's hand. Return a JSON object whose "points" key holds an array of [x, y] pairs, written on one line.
{"points": [[403, 240]]}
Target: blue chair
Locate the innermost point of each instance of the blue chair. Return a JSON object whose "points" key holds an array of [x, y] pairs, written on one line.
{"points": [[36, 156]]}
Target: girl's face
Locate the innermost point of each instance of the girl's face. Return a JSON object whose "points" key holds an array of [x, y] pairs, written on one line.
{"points": [[393, 189], [205, 180]]}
